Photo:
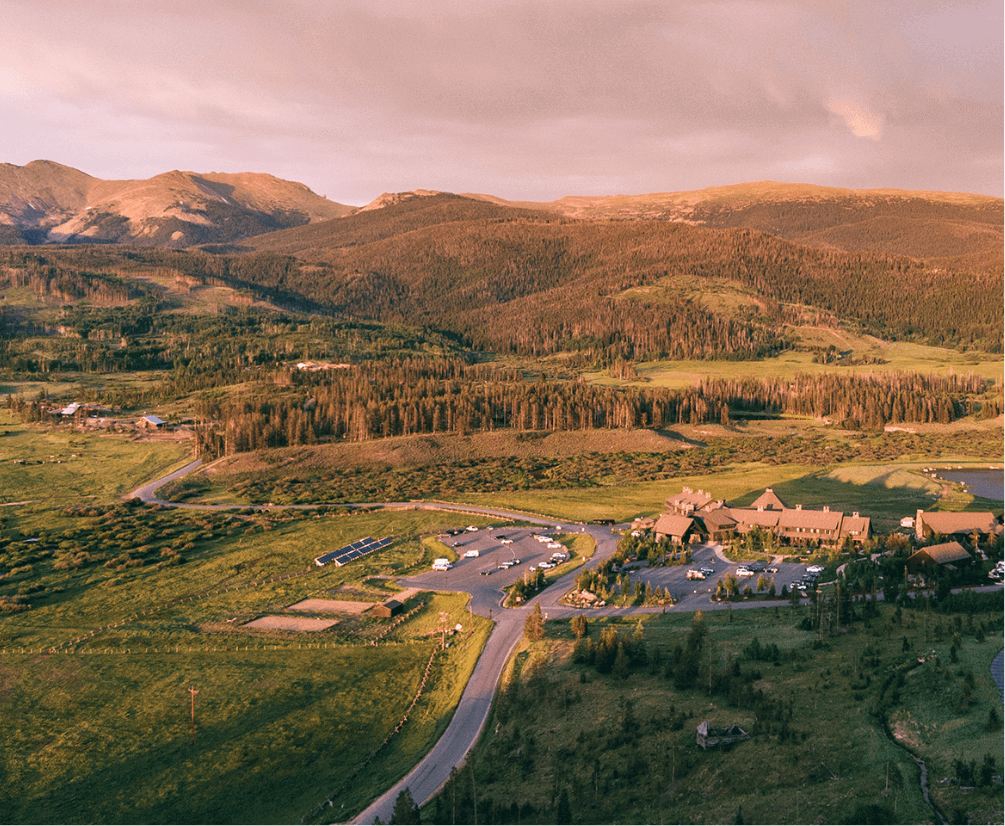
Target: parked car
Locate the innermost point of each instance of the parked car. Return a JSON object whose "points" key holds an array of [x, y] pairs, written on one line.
{"points": [[744, 572], [707, 571], [693, 574], [773, 569], [814, 569], [486, 572], [472, 554]]}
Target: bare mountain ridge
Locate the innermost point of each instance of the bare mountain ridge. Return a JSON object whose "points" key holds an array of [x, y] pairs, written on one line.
{"points": [[46, 202], [956, 229]]}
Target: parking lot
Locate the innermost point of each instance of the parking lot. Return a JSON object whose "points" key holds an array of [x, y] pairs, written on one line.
{"points": [[707, 558], [482, 576]]}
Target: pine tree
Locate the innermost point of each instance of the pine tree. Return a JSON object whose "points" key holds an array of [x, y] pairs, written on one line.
{"points": [[405, 809], [533, 626]]}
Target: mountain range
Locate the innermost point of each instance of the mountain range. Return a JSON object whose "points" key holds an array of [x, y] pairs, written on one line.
{"points": [[46, 202]]}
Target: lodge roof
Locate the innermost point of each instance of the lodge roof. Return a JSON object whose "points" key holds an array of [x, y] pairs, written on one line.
{"points": [[670, 524], [769, 500], [948, 523], [943, 553]]}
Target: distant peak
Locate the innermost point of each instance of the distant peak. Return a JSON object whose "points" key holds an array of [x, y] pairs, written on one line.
{"points": [[392, 198]]}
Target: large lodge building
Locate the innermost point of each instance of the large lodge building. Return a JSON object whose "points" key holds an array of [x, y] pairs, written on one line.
{"points": [[696, 514]]}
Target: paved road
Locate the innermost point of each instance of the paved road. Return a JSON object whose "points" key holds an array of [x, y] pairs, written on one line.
{"points": [[486, 595]]}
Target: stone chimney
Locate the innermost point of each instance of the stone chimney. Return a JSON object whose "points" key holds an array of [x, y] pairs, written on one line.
{"points": [[799, 507]]}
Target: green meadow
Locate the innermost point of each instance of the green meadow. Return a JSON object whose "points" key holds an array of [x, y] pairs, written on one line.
{"points": [[62, 466], [97, 711], [867, 354], [885, 493]]}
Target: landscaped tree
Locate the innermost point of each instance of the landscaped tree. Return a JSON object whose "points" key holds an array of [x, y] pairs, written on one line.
{"points": [[579, 626], [533, 626]]}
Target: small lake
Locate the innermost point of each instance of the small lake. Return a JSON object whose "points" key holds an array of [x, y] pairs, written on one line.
{"points": [[981, 482]]}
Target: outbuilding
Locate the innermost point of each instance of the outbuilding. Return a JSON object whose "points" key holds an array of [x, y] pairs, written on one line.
{"points": [[389, 608]]}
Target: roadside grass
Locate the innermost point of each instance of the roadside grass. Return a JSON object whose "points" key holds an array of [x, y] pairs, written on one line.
{"points": [[623, 748], [432, 549], [282, 720], [63, 467], [432, 714]]}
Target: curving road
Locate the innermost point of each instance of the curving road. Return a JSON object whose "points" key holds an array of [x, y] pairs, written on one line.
{"points": [[472, 711]]}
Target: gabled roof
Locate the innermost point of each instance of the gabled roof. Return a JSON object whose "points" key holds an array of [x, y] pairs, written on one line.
{"points": [[947, 523], [943, 554], [856, 525], [153, 419], [697, 499], [763, 519], [718, 519], [672, 525], [769, 500], [821, 520]]}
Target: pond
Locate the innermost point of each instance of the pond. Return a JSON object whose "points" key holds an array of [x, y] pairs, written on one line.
{"points": [[984, 482]]}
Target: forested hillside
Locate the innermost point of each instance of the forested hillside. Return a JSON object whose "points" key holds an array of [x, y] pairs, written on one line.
{"points": [[532, 285], [947, 229]]}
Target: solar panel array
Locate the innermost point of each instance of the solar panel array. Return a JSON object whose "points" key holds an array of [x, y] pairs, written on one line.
{"points": [[353, 551]]}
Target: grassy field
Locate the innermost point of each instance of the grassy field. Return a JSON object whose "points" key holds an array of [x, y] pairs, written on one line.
{"points": [[885, 493], [99, 732], [622, 748], [63, 467], [896, 356]]}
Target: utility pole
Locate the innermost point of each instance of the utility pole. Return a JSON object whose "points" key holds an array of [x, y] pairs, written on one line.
{"points": [[193, 692]]}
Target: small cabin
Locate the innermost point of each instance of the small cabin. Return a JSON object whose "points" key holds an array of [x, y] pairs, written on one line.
{"points": [[708, 736]]}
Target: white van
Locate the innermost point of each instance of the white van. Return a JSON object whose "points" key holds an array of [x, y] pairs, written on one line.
{"points": [[442, 564], [471, 554]]}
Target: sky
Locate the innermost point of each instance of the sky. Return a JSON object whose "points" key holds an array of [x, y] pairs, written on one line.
{"points": [[523, 99]]}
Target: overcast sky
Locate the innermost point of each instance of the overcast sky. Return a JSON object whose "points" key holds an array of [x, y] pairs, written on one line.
{"points": [[524, 99]]}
